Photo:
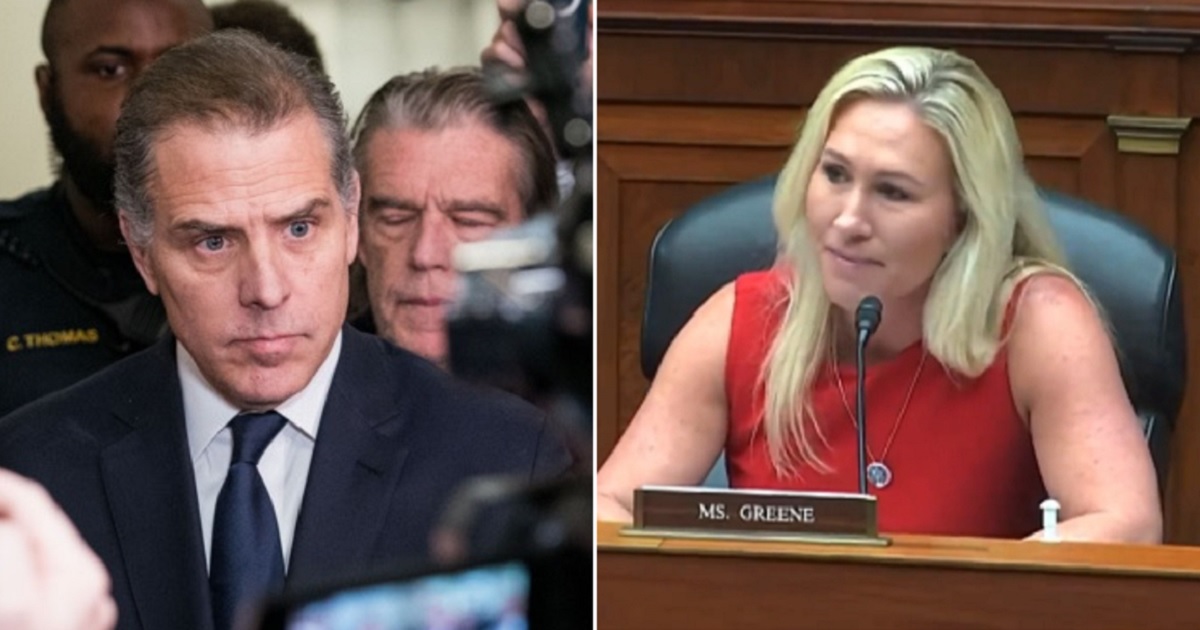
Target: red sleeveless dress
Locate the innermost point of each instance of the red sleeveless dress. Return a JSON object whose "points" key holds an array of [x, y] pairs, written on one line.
{"points": [[962, 459]]}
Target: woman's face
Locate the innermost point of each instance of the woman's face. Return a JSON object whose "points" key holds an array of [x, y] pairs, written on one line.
{"points": [[881, 206]]}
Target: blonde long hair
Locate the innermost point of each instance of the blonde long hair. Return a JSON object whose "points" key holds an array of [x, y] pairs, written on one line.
{"points": [[1005, 234]]}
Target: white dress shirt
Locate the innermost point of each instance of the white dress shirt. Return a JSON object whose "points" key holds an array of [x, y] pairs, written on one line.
{"points": [[284, 465]]}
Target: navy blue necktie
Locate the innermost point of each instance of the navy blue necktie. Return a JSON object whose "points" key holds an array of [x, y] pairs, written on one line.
{"points": [[247, 559]]}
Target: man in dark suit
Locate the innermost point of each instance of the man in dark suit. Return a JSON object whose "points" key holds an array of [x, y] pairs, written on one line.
{"points": [[265, 438]]}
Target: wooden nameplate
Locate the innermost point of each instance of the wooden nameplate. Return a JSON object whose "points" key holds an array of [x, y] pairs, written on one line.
{"points": [[824, 517]]}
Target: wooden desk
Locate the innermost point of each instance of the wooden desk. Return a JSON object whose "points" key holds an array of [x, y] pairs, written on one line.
{"points": [[916, 582]]}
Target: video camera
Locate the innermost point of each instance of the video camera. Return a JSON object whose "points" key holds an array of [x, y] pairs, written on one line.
{"points": [[527, 311], [523, 319]]}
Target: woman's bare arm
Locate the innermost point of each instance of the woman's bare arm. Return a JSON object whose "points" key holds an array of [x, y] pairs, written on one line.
{"points": [[1090, 449], [679, 430]]}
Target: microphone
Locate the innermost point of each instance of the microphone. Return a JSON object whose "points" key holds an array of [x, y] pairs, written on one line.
{"points": [[867, 317]]}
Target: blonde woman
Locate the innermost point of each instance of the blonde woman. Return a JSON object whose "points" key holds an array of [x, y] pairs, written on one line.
{"points": [[992, 383]]}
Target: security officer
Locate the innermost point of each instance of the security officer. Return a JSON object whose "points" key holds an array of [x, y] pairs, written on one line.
{"points": [[72, 301]]}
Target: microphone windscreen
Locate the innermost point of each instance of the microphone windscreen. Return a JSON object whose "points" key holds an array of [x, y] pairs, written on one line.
{"points": [[869, 314]]}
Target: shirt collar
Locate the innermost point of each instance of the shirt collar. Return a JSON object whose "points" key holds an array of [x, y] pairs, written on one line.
{"points": [[206, 412]]}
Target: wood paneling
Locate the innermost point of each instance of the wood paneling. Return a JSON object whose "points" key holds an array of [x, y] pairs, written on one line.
{"points": [[1123, 23], [1183, 489], [608, 230], [695, 96]]}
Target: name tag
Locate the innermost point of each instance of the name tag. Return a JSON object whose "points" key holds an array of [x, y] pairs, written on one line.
{"points": [[779, 515], [51, 339]]}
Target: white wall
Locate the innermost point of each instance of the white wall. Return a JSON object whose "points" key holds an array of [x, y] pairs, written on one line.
{"points": [[363, 42], [24, 141]]}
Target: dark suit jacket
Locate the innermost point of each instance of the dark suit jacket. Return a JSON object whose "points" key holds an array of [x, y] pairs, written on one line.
{"points": [[397, 436]]}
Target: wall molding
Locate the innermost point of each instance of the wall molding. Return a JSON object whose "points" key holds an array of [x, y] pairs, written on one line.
{"points": [[1148, 135]]}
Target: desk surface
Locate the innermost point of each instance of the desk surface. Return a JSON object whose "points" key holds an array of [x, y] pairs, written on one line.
{"points": [[915, 582], [989, 553]]}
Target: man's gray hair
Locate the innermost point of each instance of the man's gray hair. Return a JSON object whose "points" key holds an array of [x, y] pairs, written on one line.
{"points": [[227, 79], [433, 99]]}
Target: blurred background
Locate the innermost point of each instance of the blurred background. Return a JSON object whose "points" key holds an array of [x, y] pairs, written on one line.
{"points": [[363, 43]]}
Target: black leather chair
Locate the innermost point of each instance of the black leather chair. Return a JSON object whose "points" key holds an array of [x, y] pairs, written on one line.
{"points": [[1131, 274]]}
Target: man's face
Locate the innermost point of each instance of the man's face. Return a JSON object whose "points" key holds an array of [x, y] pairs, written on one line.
{"points": [[250, 252], [99, 48], [424, 192]]}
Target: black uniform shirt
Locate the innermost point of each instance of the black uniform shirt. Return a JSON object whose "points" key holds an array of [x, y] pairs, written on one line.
{"points": [[67, 309]]}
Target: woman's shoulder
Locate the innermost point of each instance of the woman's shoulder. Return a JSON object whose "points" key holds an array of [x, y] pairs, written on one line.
{"points": [[758, 290], [737, 305], [762, 279], [1046, 298], [1053, 316]]}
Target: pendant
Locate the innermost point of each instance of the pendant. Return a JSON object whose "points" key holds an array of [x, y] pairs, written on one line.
{"points": [[879, 474]]}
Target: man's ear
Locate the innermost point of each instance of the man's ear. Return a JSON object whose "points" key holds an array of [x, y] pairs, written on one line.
{"points": [[352, 217], [44, 78], [140, 253]]}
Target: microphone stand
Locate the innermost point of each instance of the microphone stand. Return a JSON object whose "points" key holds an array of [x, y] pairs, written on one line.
{"points": [[867, 317], [861, 405]]}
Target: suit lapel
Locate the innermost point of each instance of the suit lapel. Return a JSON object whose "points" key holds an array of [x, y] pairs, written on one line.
{"points": [[151, 492], [355, 466]]}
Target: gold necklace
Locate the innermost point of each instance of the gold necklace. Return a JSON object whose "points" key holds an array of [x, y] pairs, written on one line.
{"points": [[877, 470]]}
